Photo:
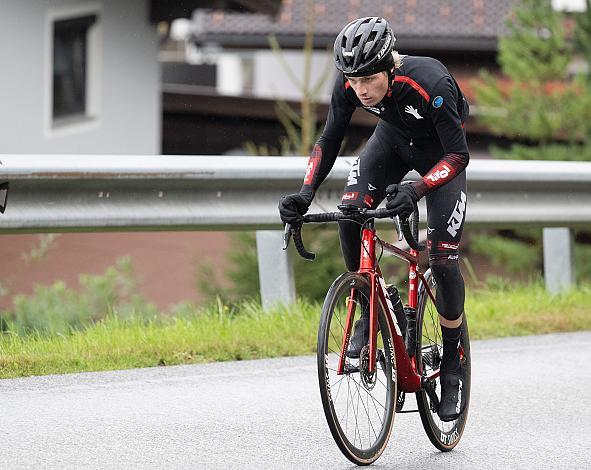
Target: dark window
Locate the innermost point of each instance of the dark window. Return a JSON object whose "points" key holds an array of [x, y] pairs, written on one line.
{"points": [[70, 38]]}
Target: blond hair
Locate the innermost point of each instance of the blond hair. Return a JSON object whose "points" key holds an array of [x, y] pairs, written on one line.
{"points": [[397, 59]]}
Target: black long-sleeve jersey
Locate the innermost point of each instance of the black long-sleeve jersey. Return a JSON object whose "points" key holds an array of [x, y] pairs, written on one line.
{"points": [[427, 109]]}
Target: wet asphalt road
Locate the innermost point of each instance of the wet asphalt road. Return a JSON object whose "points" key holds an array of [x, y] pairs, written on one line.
{"points": [[530, 409]]}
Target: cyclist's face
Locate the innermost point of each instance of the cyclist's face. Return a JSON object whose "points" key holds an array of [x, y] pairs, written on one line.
{"points": [[371, 89]]}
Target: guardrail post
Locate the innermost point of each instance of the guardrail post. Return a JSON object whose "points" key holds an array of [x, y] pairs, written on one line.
{"points": [[275, 269], [558, 266]]}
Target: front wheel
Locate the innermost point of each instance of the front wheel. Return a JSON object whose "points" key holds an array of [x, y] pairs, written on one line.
{"points": [[444, 435], [359, 405]]}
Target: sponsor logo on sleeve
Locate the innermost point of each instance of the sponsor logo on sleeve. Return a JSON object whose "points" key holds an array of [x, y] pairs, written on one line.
{"points": [[311, 170], [437, 101], [368, 200], [440, 172]]}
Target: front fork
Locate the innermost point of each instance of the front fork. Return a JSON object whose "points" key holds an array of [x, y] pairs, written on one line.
{"points": [[351, 304], [373, 326], [366, 266]]}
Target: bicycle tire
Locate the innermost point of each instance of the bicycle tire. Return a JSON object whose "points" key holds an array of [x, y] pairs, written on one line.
{"points": [[330, 335], [443, 435]]}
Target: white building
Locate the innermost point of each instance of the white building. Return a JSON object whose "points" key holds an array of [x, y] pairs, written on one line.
{"points": [[79, 77]]}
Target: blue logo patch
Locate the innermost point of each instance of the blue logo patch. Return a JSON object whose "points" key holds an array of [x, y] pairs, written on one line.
{"points": [[437, 102]]}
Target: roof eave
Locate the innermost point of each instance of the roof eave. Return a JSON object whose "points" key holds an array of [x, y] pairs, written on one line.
{"points": [[167, 10], [404, 43]]}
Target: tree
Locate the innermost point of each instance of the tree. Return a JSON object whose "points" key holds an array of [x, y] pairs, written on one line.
{"points": [[301, 133], [539, 99], [543, 99], [300, 127]]}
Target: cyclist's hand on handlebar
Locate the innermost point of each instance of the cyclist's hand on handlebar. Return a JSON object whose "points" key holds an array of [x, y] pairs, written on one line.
{"points": [[402, 198], [292, 207]]}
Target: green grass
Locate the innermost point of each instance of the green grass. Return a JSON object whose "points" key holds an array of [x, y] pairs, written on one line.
{"points": [[114, 343], [527, 310], [221, 334]]}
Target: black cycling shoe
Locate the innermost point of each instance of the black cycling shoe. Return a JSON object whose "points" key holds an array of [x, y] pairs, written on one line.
{"points": [[360, 337], [453, 393]]}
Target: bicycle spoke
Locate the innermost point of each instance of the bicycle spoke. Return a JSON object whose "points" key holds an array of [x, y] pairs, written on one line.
{"points": [[340, 323], [355, 408], [347, 407], [374, 401], [340, 382], [357, 415], [377, 401], [364, 407], [383, 384], [335, 339], [338, 353], [378, 411], [372, 397]]}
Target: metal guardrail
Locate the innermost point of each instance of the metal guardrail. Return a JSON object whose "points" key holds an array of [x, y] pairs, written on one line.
{"points": [[94, 193], [68, 193]]}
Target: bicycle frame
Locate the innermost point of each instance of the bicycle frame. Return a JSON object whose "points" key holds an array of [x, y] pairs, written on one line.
{"points": [[409, 378]]}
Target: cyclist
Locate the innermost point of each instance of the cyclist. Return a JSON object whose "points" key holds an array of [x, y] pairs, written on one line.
{"points": [[422, 113]]}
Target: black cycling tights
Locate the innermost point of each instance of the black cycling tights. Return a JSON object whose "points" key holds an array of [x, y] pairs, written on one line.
{"points": [[446, 210]]}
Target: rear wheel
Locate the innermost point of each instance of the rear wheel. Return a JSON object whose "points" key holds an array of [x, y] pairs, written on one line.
{"points": [[359, 405], [444, 435]]}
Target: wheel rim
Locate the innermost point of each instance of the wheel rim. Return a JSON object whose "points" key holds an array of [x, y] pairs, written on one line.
{"points": [[360, 402]]}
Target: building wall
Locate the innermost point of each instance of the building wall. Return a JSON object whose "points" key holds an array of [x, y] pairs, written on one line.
{"points": [[125, 77], [272, 80]]}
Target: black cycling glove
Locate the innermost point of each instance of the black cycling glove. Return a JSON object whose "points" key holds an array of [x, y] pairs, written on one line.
{"points": [[402, 198], [292, 207]]}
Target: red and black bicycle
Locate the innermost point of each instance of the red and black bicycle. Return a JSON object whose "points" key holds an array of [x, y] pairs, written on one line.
{"points": [[361, 395]]}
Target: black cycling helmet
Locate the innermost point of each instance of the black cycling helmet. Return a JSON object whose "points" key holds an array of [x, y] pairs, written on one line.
{"points": [[364, 47]]}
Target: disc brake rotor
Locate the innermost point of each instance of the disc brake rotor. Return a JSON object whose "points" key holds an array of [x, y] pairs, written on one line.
{"points": [[368, 379]]}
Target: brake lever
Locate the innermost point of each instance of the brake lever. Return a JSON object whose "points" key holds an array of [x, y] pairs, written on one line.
{"points": [[398, 227], [286, 236]]}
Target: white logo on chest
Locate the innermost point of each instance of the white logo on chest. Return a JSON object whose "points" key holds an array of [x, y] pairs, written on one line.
{"points": [[415, 112]]}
